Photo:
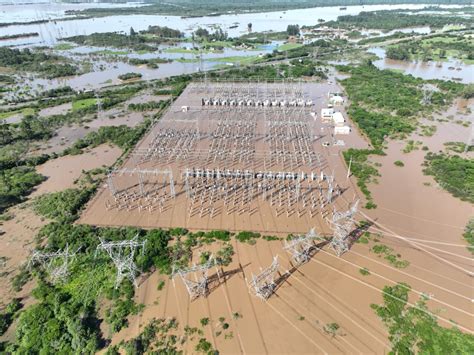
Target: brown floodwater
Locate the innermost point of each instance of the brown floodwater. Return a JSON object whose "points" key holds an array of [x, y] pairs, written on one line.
{"points": [[411, 203], [451, 69]]}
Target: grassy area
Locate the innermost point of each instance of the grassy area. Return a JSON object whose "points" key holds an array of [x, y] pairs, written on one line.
{"points": [[26, 111], [236, 60], [64, 46], [83, 104], [182, 50], [110, 52], [187, 60], [288, 46], [225, 44]]}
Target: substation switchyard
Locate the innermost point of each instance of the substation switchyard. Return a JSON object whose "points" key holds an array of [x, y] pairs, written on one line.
{"points": [[229, 155]]}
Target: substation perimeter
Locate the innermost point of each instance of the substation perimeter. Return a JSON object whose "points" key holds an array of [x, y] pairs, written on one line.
{"points": [[232, 156]]}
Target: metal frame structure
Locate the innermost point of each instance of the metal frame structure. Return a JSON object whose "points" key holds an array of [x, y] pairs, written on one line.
{"points": [[269, 133], [140, 196], [56, 264], [263, 285], [301, 247], [122, 254], [342, 224], [195, 278]]}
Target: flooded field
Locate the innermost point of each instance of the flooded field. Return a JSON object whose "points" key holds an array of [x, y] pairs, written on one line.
{"points": [[275, 21], [266, 163], [418, 208], [452, 69], [327, 289], [61, 173]]}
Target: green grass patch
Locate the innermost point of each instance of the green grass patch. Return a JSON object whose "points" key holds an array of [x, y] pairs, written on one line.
{"points": [[235, 60], [25, 112], [110, 52], [64, 46], [187, 60], [288, 46], [399, 163], [387, 252], [83, 104]]}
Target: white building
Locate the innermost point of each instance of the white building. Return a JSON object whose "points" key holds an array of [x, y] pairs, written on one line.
{"points": [[336, 100], [338, 118], [327, 113], [342, 130]]}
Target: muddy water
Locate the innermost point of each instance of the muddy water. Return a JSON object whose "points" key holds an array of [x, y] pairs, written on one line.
{"points": [[56, 110], [62, 172], [106, 72], [448, 70], [65, 138], [413, 209], [276, 21]]}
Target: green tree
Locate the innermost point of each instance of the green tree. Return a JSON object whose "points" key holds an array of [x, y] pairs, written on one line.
{"points": [[293, 30], [415, 329]]}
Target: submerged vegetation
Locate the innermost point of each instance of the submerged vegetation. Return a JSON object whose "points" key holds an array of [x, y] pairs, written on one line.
{"points": [[453, 173], [363, 170], [129, 76], [388, 20], [381, 112], [82, 313], [437, 48], [414, 329], [50, 66], [469, 235]]}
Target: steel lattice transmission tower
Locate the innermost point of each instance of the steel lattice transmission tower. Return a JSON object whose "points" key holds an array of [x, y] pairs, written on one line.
{"points": [[342, 224], [428, 91], [263, 285], [195, 278], [55, 264], [122, 254], [300, 247]]}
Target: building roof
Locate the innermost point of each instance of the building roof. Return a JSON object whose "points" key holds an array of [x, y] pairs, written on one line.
{"points": [[338, 117]]}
